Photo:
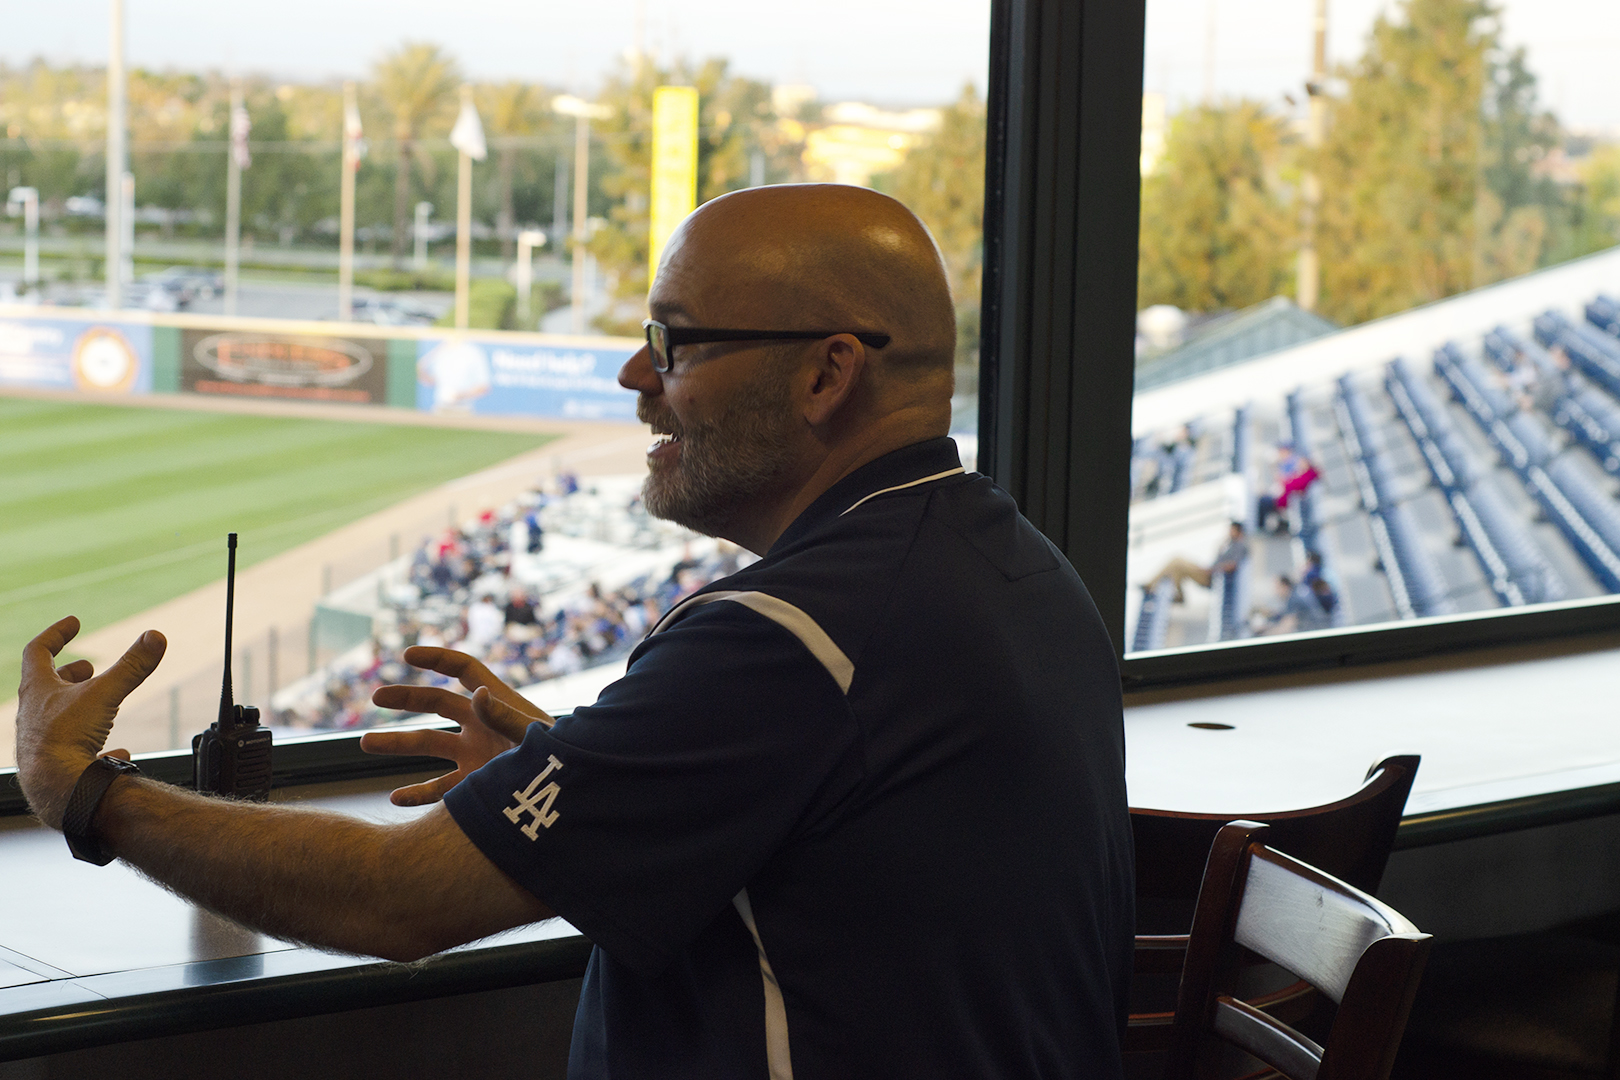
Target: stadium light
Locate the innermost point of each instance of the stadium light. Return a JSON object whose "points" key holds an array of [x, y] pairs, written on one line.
{"points": [[583, 113]]}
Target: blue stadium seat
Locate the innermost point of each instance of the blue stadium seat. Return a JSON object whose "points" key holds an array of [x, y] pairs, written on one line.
{"points": [[1593, 417], [1594, 352], [1415, 580], [1593, 503], [1604, 313], [1154, 619]]}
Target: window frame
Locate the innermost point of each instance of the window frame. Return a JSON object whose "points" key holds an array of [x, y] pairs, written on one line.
{"points": [[1057, 365], [1061, 219]]}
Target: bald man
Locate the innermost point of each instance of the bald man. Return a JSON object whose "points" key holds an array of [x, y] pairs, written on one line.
{"points": [[857, 810]]}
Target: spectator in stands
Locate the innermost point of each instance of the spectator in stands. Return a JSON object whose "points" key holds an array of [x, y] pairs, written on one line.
{"points": [[485, 624], [1302, 607], [1179, 570], [1295, 473], [520, 608], [537, 535]]}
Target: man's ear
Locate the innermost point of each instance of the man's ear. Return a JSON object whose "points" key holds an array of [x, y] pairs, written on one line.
{"points": [[838, 366]]}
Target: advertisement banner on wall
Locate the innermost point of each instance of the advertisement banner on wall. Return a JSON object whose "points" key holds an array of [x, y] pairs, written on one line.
{"points": [[276, 364], [102, 356], [565, 381]]}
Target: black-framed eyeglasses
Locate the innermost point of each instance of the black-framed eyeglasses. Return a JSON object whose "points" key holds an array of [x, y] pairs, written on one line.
{"points": [[662, 339]]}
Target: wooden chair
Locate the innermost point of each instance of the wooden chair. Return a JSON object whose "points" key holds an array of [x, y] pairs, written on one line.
{"points": [[1349, 839], [1355, 950]]}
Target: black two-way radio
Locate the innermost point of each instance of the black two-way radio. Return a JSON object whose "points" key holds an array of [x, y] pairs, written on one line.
{"points": [[232, 757]]}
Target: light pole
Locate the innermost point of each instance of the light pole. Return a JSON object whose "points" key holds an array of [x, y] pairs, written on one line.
{"points": [[523, 272], [583, 113], [126, 218], [115, 153], [419, 231], [28, 198]]}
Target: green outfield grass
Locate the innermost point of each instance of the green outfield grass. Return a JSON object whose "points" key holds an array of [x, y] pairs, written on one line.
{"points": [[106, 511]]}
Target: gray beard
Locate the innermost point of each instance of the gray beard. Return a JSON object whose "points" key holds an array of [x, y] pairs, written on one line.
{"points": [[726, 462]]}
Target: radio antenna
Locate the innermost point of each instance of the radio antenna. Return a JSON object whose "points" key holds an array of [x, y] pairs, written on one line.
{"points": [[227, 717]]}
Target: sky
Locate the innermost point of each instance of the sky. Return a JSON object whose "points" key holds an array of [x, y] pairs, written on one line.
{"points": [[889, 52], [1263, 49]]}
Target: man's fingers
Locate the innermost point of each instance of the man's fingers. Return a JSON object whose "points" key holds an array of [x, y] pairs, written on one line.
{"points": [[425, 793], [38, 654], [76, 672], [119, 753], [469, 672], [439, 744], [138, 661], [423, 699], [497, 715]]}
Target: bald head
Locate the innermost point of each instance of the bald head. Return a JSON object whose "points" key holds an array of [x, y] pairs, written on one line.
{"points": [[818, 257]]}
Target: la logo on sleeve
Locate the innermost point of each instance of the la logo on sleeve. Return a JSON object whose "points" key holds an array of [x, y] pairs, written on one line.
{"points": [[536, 801]]}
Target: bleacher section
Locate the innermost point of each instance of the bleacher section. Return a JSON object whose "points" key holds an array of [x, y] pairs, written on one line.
{"points": [[1517, 570], [1571, 500], [1508, 449]]}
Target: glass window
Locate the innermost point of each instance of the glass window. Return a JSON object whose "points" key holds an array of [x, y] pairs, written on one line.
{"points": [[1378, 351], [287, 235]]}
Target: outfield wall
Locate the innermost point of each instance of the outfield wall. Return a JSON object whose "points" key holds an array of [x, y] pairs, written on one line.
{"points": [[428, 368]]}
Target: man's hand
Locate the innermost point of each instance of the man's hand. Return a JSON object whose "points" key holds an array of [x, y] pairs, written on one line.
{"points": [[65, 714], [492, 721]]}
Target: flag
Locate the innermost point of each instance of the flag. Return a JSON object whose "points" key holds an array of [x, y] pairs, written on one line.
{"points": [[468, 134], [240, 126], [353, 135]]}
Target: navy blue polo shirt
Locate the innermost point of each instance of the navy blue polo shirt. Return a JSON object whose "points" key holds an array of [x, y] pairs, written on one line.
{"points": [[855, 811]]}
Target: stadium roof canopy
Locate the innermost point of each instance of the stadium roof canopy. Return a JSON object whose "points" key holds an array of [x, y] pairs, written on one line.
{"points": [[1233, 338]]}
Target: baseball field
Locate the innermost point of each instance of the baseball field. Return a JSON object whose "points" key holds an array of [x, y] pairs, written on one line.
{"points": [[108, 510]]}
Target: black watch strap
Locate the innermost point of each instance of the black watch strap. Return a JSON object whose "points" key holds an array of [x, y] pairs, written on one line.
{"points": [[83, 803]]}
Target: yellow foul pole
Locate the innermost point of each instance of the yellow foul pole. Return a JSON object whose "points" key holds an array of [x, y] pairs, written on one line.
{"points": [[674, 166]]}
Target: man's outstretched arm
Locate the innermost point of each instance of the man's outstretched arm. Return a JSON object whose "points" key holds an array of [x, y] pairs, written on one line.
{"points": [[400, 891]]}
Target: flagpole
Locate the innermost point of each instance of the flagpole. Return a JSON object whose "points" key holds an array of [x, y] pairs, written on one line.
{"points": [[463, 224], [351, 164], [233, 202], [115, 154]]}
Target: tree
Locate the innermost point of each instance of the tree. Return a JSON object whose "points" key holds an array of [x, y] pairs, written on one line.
{"points": [[417, 83], [942, 181], [734, 120], [1598, 215], [1217, 230], [1409, 214]]}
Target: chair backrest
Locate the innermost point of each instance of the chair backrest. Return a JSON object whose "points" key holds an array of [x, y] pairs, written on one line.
{"points": [[1354, 949], [1350, 839]]}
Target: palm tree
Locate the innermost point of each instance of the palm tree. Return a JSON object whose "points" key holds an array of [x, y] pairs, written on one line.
{"points": [[417, 83], [509, 108]]}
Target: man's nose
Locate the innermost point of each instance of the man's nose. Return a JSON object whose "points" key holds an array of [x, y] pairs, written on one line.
{"points": [[638, 374]]}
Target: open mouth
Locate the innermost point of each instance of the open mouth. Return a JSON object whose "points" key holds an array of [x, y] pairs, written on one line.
{"points": [[666, 437]]}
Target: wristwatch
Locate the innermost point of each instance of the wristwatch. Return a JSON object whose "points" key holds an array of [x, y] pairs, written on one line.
{"points": [[82, 804]]}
